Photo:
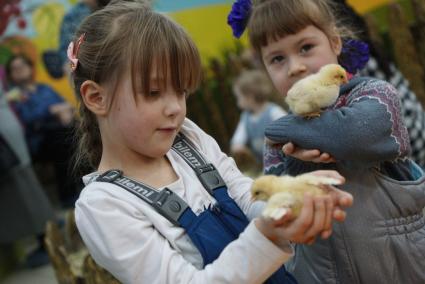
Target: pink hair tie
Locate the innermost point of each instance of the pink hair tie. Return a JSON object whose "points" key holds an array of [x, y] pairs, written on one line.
{"points": [[72, 52]]}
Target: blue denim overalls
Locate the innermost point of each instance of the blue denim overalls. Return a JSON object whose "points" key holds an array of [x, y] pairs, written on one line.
{"points": [[213, 229]]}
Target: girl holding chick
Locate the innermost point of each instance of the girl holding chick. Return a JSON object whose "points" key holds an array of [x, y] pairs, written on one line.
{"points": [[361, 135]]}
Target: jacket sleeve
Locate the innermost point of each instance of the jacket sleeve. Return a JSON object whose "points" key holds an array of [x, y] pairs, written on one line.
{"points": [[367, 129]]}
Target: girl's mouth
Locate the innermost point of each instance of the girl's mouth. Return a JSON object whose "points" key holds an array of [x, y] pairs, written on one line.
{"points": [[168, 129]]}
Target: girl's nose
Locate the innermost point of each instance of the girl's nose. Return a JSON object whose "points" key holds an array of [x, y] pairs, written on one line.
{"points": [[296, 68], [174, 105]]}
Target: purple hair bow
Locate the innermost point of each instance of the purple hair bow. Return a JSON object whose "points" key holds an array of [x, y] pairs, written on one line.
{"points": [[238, 16]]}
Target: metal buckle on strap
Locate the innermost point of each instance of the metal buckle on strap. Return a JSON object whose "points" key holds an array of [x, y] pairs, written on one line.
{"points": [[209, 177], [110, 176], [170, 205]]}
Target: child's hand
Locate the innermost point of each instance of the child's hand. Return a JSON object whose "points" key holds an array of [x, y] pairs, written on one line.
{"points": [[315, 217], [340, 199], [307, 155]]}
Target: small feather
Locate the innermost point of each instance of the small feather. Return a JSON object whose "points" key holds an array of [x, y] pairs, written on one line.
{"points": [[275, 213]]}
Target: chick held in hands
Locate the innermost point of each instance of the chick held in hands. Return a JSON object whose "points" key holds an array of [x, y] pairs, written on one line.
{"points": [[310, 95], [287, 192]]}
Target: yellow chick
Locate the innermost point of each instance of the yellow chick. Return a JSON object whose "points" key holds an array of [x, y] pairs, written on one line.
{"points": [[287, 192], [309, 95]]}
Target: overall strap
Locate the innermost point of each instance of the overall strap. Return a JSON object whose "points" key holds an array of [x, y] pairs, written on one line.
{"points": [[165, 202], [207, 174]]}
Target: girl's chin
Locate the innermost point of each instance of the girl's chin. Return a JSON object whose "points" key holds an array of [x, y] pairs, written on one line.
{"points": [[167, 132]]}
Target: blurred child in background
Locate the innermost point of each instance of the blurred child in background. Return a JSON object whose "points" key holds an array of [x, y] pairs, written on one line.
{"points": [[24, 207], [253, 91], [47, 119]]}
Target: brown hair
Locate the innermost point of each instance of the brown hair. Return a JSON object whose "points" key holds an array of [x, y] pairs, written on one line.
{"points": [[129, 34], [8, 66], [271, 20], [255, 84]]}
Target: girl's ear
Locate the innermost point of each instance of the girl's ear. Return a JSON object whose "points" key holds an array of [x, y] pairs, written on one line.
{"points": [[94, 97], [336, 44]]}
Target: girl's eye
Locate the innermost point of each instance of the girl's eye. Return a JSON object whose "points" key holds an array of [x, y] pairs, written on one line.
{"points": [[154, 93], [277, 59], [306, 47]]}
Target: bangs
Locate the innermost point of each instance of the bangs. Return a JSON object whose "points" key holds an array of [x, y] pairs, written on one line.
{"points": [[272, 20], [162, 43]]}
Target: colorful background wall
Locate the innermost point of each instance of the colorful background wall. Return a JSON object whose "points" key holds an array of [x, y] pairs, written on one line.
{"points": [[33, 28]]}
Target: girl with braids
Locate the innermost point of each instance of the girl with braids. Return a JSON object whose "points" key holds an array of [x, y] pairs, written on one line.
{"points": [[361, 136], [164, 204]]}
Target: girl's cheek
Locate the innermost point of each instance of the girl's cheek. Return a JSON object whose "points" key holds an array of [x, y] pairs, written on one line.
{"points": [[278, 85]]}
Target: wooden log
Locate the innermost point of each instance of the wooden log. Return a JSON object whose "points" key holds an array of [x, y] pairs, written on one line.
{"points": [[69, 257], [73, 239], [405, 53], [55, 246], [94, 274]]}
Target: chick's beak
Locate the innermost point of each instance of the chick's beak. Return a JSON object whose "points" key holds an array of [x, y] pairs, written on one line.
{"points": [[347, 77]]}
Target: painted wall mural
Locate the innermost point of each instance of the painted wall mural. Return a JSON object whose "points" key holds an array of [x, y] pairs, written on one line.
{"points": [[32, 32], [32, 27]]}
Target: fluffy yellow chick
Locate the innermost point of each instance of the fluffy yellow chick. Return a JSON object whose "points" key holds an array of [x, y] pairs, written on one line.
{"points": [[284, 192], [309, 95]]}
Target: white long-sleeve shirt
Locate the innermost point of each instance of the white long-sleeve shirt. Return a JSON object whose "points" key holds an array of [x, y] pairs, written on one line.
{"points": [[136, 244]]}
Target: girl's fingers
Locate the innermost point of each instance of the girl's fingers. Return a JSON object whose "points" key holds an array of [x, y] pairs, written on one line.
{"points": [[341, 198], [326, 234], [310, 241], [305, 219], [306, 155], [332, 160], [285, 219], [288, 148], [325, 156], [318, 219], [329, 173], [339, 215], [346, 200], [327, 227]]}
